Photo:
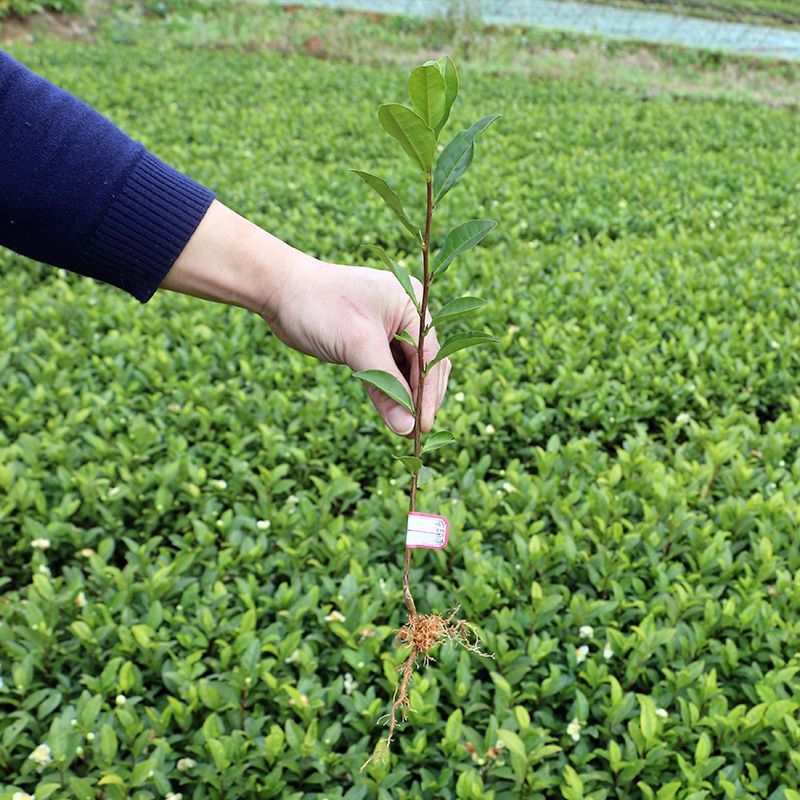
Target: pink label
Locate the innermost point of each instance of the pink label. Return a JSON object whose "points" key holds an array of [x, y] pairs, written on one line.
{"points": [[427, 530]]}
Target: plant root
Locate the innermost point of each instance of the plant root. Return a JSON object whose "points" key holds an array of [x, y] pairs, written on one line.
{"points": [[422, 633]]}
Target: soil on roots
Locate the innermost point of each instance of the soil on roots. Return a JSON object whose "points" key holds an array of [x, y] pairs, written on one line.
{"points": [[422, 632]]}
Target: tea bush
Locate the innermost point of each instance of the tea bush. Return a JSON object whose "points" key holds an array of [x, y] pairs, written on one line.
{"points": [[202, 531], [24, 8]]}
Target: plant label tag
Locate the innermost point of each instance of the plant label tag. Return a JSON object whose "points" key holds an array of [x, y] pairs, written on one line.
{"points": [[427, 530]]}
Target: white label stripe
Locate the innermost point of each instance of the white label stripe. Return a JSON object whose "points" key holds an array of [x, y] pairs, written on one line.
{"points": [[427, 530]]}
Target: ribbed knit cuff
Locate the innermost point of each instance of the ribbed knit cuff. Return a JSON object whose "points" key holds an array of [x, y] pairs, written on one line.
{"points": [[143, 231]]}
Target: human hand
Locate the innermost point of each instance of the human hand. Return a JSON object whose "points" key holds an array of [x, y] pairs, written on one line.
{"points": [[349, 315], [345, 315]]}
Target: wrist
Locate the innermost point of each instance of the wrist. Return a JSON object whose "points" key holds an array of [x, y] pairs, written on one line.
{"points": [[230, 260]]}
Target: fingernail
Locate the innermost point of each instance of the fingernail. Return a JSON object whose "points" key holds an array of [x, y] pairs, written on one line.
{"points": [[400, 421]]}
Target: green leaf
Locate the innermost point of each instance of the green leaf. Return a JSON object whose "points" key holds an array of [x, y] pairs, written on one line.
{"points": [[108, 742], [460, 341], [522, 715], [218, 754], [469, 785], [456, 157], [405, 336], [127, 677], [401, 273], [427, 91], [437, 440], [411, 463], [390, 198], [81, 630], [43, 791], [425, 474], [457, 308], [44, 586], [453, 727], [413, 133], [248, 622], [388, 384], [448, 70], [648, 721], [140, 774], [58, 737], [142, 634], [461, 239], [703, 749], [669, 790], [88, 712], [512, 741], [294, 735]]}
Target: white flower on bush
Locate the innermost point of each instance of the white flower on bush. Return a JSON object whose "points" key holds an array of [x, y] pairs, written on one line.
{"points": [[218, 483], [41, 755], [683, 418], [581, 653], [21, 796], [349, 683], [80, 600], [174, 796], [662, 712], [44, 570], [586, 632], [335, 616], [509, 487], [40, 544], [608, 652], [90, 737], [292, 499], [87, 552], [185, 764], [489, 430], [120, 700], [574, 730], [263, 524], [459, 397]]}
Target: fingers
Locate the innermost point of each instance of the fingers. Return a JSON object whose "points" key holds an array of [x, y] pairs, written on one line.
{"points": [[435, 380], [375, 353]]}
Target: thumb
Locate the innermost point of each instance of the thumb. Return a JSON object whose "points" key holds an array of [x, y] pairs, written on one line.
{"points": [[376, 353]]}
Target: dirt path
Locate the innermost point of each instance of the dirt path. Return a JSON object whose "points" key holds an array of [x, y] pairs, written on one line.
{"points": [[647, 26]]}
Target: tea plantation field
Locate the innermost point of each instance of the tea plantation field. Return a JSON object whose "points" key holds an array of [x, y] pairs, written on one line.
{"points": [[213, 615]]}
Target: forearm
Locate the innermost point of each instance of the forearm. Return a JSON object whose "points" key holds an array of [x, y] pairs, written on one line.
{"points": [[230, 260]]}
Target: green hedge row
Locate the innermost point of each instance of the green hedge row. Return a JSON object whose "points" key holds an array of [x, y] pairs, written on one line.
{"points": [[202, 532]]}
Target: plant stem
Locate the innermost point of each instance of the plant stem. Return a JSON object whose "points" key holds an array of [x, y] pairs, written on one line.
{"points": [[423, 308]]}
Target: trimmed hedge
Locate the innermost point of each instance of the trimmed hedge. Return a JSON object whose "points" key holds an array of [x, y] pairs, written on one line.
{"points": [[624, 500]]}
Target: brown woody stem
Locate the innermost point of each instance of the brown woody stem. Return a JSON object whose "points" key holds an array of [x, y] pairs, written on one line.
{"points": [[423, 309]]}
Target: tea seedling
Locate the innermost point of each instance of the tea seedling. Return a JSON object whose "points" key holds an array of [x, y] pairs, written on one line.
{"points": [[433, 88]]}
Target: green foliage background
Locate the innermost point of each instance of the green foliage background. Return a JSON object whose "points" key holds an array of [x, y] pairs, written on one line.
{"points": [[24, 8], [627, 461]]}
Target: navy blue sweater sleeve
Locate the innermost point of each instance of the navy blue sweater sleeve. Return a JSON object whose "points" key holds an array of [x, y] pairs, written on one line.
{"points": [[76, 192]]}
